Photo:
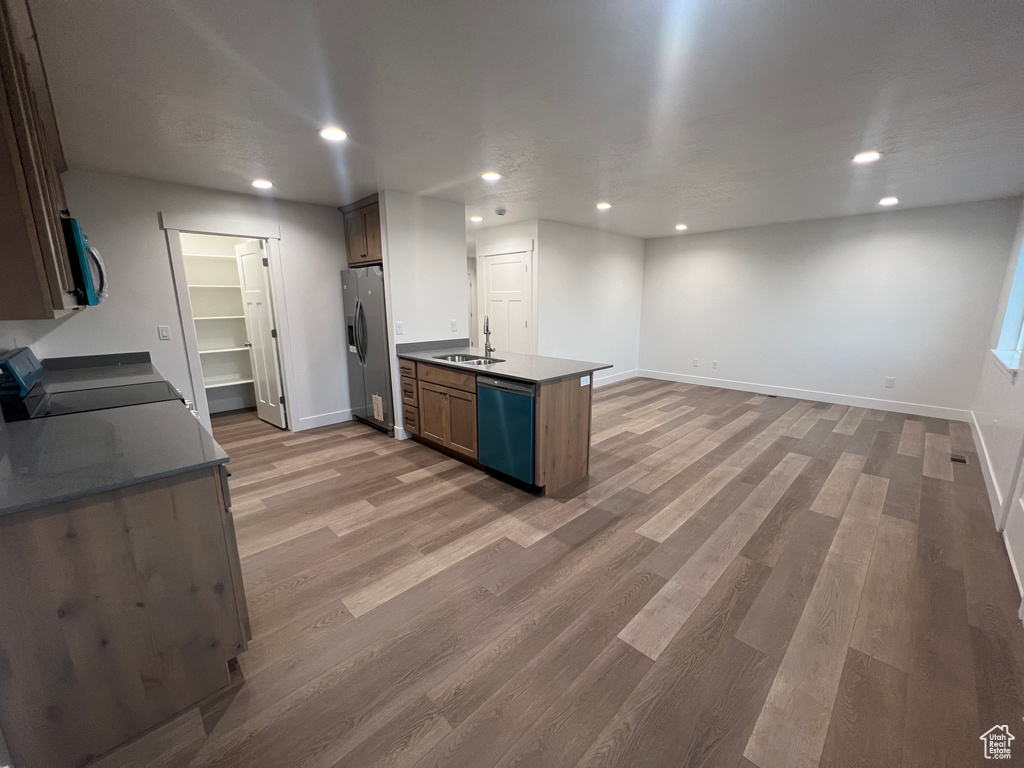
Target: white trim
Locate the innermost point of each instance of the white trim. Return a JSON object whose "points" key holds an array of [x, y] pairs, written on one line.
{"points": [[1013, 564], [613, 378], [279, 309], [187, 326], [253, 228], [321, 420], [389, 315], [918, 409], [995, 497], [512, 245], [1008, 362]]}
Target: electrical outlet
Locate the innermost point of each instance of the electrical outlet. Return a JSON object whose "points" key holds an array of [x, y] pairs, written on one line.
{"points": [[399, 328], [696, 362], [164, 332], [455, 326], [714, 364], [890, 382]]}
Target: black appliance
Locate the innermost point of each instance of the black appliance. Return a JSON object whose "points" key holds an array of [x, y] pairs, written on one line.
{"points": [[78, 384]]}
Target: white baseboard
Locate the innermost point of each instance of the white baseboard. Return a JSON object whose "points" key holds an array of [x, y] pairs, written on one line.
{"points": [[321, 420], [612, 378], [918, 409], [995, 498]]}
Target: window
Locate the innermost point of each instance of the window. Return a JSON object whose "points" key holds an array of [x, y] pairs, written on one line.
{"points": [[1011, 337]]}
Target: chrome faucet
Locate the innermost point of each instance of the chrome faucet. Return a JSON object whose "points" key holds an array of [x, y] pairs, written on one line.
{"points": [[487, 335]]}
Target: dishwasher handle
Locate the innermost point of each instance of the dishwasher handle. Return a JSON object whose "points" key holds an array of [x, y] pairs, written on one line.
{"points": [[506, 385]]}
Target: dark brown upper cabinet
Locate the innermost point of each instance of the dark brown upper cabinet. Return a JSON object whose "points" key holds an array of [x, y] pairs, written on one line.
{"points": [[362, 232]]}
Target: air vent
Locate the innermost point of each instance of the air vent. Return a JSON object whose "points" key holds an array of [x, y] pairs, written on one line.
{"points": [[957, 458]]}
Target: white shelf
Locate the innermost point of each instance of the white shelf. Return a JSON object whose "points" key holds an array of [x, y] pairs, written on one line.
{"points": [[236, 286], [229, 383], [225, 349], [221, 317]]}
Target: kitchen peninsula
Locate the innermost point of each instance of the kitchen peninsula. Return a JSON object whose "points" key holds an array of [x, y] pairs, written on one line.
{"points": [[525, 417], [122, 601]]}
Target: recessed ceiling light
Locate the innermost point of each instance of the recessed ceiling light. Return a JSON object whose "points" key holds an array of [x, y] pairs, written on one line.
{"points": [[476, 218], [889, 201], [490, 176], [262, 184], [680, 227], [868, 156], [603, 206], [331, 133]]}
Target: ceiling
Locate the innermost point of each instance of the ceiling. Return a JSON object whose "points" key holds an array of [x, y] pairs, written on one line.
{"points": [[718, 114]]}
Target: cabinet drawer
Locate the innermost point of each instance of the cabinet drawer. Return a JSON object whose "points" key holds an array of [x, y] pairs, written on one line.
{"points": [[409, 392], [411, 419], [407, 368], [446, 377]]}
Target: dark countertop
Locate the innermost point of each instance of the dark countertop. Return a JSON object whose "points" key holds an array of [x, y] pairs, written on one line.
{"points": [[532, 369], [43, 461]]}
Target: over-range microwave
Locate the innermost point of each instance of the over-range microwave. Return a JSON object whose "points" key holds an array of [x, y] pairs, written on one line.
{"points": [[87, 268]]}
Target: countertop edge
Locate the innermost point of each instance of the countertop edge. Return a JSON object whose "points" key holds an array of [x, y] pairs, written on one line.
{"points": [[419, 357], [36, 504]]}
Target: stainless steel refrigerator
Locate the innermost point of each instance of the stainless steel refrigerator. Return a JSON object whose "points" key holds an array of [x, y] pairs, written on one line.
{"points": [[369, 362]]}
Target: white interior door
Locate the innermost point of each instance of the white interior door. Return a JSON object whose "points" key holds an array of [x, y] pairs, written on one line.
{"points": [[260, 329], [507, 292]]}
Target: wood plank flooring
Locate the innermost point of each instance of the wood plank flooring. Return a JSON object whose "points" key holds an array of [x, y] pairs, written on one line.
{"points": [[745, 581]]}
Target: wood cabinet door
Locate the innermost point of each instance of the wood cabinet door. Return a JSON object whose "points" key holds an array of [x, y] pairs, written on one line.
{"points": [[355, 238], [371, 226], [433, 413], [462, 422], [36, 275]]}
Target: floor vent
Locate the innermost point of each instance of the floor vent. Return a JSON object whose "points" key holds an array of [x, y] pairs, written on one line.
{"points": [[957, 458]]}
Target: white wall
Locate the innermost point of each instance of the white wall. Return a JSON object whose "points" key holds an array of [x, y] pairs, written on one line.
{"points": [[506, 238], [998, 425], [425, 268], [425, 264], [120, 216], [828, 309], [590, 285]]}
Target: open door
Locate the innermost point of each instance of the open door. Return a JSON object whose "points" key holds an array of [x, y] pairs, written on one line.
{"points": [[260, 329]]}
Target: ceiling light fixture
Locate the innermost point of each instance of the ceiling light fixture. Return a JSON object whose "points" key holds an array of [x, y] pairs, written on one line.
{"points": [[890, 200], [477, 219], [868, 156], [262, 184], [331, 133], [490, 176], [680, 227], [603, 206]]}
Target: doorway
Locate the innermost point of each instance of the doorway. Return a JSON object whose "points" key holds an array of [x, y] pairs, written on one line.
{"points": [[226, 307], [506, 289]]}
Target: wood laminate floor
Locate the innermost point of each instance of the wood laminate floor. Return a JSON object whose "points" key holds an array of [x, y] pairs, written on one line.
{"points": [[747, 581]]}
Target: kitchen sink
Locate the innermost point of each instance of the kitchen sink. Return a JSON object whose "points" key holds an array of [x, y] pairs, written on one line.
{"points": [[469, 359]]}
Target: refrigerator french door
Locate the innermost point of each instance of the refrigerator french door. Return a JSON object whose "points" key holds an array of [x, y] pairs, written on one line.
{"points": [[369, 369]]}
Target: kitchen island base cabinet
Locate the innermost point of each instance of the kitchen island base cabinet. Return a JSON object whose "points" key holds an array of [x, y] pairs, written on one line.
{"points": [[119, 610], [563, 434], [447, 417]]}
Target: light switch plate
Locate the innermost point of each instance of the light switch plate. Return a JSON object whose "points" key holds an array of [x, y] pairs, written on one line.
{"points": [[399, 328], [164, 332], [455, 326]]}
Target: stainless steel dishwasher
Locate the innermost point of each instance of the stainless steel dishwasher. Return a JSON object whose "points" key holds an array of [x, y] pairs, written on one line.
{"points": [[505, 426]]}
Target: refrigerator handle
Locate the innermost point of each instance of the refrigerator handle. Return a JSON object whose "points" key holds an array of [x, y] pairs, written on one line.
{"points": [[364, 335], [355, 330]]}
